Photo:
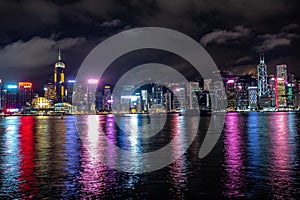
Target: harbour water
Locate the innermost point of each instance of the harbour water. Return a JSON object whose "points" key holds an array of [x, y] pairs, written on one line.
{"points": [[256, 157]]}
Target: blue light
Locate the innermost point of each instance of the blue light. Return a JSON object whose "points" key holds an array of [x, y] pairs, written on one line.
{"points": [[71, 81], [12, 86]]}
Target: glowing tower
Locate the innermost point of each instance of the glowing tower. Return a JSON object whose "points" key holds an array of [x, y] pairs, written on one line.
{"points": [[262, 84], [59, 79], [262, 77]]}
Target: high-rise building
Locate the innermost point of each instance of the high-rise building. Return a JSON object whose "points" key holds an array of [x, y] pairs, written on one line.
{"points": [[70, 89], [252, 97], [25, 94], [59, 79], [281, 72], [157, 93], [272, 88], [262, 76], [231, 94], [144, 102], [280, 94], [49, 92], [10, 97], [107, 98], [264, 100]]}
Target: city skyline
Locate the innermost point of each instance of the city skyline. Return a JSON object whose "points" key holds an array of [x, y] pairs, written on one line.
{"points": [[233, 34]]}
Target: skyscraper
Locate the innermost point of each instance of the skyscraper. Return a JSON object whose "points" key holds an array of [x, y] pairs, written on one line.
{"points": [[262, 77], [25, 93], [59, 79], [281, 72], [10, 97], [252, 97], [264, 100]]}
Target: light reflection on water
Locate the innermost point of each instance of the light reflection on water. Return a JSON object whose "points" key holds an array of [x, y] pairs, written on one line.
{"points": [[43, 157]]}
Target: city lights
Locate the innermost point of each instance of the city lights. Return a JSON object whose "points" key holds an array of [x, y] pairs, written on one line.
{"points": [[93, 81], [12, 86], [230, 81], [25, 85]]}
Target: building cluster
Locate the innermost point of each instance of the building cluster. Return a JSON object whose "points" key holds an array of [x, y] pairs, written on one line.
{"points": [[262, 91], [20, 97], [268, 92]]}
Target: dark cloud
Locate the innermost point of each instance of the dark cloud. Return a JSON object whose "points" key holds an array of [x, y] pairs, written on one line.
{"points": [[224, 36], [34, 53], [271, 41], [232, 31], [111, 23]]}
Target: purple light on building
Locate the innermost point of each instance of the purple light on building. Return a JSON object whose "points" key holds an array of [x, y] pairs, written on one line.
{"points": [[230, 81], [93, 81]]}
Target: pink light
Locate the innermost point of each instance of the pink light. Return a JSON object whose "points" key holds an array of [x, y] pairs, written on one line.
{"points": [[276, 93], [110, 101], [93, 81], [230, 81]]}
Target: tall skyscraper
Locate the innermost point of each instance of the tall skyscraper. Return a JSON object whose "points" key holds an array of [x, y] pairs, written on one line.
{"points": [[252, 97], [262, 77], [59, 79], [280, 95], [281, 72], [10, 97], [70, 89], [25, 93]]}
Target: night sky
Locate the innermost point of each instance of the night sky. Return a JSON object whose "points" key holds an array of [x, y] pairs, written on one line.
{"points": [[232, 31]]}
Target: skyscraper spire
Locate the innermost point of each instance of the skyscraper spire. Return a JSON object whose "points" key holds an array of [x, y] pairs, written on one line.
{"points": [[262, 58], [59, 55]]}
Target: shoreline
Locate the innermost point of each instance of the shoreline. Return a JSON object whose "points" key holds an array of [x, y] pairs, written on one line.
{"points": [[168, 113]]}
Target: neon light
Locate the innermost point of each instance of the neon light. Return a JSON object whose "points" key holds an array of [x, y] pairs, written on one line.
{"points": [[107, 87], [276, 92], [93, 81], [110, 101], [12, 110], [230, 81], [12, 86], [71, 81]]}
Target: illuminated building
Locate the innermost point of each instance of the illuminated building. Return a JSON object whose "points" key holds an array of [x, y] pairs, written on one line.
{"points": [[272, 88], [192, 88], [262, 77], [252, 97], [281, 72], [262, 84], [241, 96], [106, 99], [167, 100], [92, 86], [289, 95], [0, 94], [144, 100], [41, 103], [280, 93], [207, 84], [70, 88], [218, 95], [10, 97], [157, 94], [49, 92], [179, 97], [25, 93], [59, 79], [231, 95]]}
